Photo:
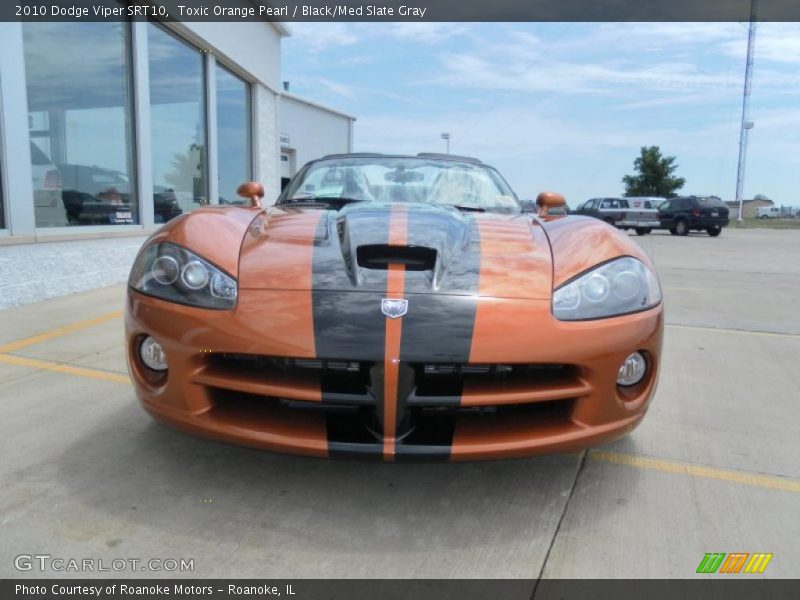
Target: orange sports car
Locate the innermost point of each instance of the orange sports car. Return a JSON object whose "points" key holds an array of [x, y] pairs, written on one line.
{"points": [[396, 308]]}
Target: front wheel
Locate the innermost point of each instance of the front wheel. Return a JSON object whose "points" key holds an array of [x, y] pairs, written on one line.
{"points": [[682, 227], [714, 231], [643, 230]]}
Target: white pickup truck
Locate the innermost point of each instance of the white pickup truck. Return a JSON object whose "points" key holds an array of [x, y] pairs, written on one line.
{"points": [[639, 214]]}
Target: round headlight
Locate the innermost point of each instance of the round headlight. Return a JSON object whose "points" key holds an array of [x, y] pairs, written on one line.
{"points": [[165, 270], [626, 285], [632, 369], [153, 354], [194, 275], [595, 288]]}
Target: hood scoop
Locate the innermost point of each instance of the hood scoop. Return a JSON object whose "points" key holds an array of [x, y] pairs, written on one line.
{"points": [[380, 256], [444, 252]]}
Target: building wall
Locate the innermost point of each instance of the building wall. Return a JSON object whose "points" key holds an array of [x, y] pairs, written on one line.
{"points": [[267, 168], [313, 130], [749, 208], [81, 257], [251, 45]]}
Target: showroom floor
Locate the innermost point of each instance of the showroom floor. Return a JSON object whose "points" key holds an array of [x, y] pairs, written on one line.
{"points": [[715, 467]]}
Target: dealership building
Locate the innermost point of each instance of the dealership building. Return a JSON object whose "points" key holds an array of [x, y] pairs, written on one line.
{"points": [[109, 129]]}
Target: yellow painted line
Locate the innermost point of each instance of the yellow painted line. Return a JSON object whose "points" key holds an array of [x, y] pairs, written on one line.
{"points": [[672, 466], [44, 365], [735, 331], [54, 333]]}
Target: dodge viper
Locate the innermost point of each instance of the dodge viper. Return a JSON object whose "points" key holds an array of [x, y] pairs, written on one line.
{"points": [[396, 308]]}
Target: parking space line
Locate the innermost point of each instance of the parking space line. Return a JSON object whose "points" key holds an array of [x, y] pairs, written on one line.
{"points": [[43, 365], [54, 333], [735, 331], [785, 484]]}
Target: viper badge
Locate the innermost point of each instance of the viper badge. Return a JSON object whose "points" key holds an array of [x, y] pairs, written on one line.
{"points": [[394, 308]]}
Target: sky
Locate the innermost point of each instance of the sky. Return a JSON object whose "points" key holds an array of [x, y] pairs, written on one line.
{"points": [[565, 106]]}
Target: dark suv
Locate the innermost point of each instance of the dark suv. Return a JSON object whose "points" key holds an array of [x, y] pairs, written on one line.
{"points": [[682, 215]]}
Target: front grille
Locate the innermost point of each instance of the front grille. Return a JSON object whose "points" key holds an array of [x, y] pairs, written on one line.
{"points": [[433, 398], [302, 379], [452, 383]]}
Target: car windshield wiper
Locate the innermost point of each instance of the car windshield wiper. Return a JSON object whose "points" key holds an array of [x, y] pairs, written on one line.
{"points": [[338, 200], [468, 208]]}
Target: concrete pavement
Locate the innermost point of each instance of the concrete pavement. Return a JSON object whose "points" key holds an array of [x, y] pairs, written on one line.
{"points": [[713, 468]]}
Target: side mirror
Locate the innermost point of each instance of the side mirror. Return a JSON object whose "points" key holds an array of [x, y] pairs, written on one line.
{"points": [[252, 190], [548, 200]]}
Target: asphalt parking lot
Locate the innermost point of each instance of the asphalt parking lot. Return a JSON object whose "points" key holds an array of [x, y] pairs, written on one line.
{"points": [[714, 467]]}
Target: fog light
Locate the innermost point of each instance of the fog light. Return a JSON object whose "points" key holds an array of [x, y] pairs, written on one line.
{"points": [[153, 354], [632, 370]]}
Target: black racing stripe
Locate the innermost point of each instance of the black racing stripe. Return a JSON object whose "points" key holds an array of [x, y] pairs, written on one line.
{"points": [[440, 321], [411, 453], [441, 315], [347, 325], [369, 452], [348, 439], [348, 322]]}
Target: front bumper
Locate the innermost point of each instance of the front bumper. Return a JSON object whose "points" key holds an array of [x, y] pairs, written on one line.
{"points": [[225, 381]]}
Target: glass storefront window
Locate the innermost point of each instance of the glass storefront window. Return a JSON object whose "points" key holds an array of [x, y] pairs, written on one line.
{"points": [[79, 102], [233, 135], [2, 206], [177, 117]]}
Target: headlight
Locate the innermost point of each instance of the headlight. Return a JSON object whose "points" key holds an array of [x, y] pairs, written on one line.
{"points": [[172, 273], [621, 286]]}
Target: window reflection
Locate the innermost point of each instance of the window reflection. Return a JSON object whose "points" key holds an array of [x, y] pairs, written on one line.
{"points": [[233, 134], [177, 105], [79, 103], [2, 206]]}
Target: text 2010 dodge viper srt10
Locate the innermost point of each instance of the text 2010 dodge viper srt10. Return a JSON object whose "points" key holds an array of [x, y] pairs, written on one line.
{"points": [[398, 308]]}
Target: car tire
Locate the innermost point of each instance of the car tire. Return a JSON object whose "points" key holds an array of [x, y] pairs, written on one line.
{"points": [[763, 217], [643, 230], [681, 227], [610, 221], [714, 231], [672, 231]]}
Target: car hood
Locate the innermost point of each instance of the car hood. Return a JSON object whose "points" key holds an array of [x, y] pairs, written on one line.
{"points": [[442, 250]]}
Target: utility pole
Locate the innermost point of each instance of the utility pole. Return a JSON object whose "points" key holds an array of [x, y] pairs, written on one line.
{"points": [[746, 123], [446, 138]]}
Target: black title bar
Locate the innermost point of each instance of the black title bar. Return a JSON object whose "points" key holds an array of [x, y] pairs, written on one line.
{"points": [[402, 10]]}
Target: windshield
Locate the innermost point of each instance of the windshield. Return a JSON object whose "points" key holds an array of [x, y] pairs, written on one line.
{"points": [[387, 179]]}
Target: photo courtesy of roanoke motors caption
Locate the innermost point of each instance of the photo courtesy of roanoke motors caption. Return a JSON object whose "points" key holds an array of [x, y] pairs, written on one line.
{"points": [[399, 299], [394, 322]]}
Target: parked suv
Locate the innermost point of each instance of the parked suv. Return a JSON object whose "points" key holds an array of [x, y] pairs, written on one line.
{"points": [[624, 213], [688, 213]]}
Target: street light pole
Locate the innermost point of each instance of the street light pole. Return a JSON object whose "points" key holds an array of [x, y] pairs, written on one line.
{"points": [[746, 123], [446, 138]]}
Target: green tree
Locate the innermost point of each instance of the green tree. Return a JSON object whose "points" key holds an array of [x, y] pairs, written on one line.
{"points": [[654, 175]]}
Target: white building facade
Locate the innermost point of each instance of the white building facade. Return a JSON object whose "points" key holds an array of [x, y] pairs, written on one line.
{"points": [[109, 129], [309, 131]]}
